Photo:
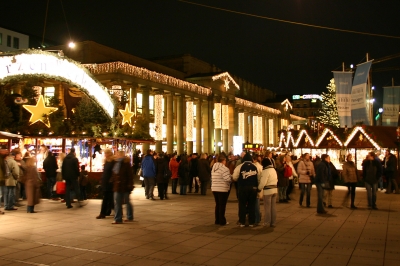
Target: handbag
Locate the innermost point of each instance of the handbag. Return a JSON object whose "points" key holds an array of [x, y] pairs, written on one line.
{"points": [[60, 187]]}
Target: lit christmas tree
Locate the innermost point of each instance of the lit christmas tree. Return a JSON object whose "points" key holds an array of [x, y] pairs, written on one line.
{"points": [[328, 114]]}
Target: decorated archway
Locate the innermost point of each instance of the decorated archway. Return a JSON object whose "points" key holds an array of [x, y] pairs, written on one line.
{"points": [[42, 64]]}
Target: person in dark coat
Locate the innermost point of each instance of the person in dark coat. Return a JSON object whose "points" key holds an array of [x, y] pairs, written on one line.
{"points": [[390, 172], [323, 176], [107, 186], [160, 166], [194, 173], [122, 186], [329, 191], [70, 173], [372, 170], [32, 185], [183, 174], [50, 167], [283, 182], [204, 173]]}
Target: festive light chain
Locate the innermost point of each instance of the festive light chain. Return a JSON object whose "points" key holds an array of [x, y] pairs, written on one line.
{"points": [[354, 132], [249, 104], [217, 118], [158, 116], [143, 73], [225, 116], [228, 77], [281, 139], [302, 132], [189, 121], [241, 125], [326, 131], [289, 138]]}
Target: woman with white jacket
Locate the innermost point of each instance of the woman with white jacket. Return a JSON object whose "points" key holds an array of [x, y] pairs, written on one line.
{"points": [[221, 179], [268, 189]]}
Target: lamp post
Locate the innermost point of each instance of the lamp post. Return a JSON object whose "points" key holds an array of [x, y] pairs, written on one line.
{"points": [[219, 147]]}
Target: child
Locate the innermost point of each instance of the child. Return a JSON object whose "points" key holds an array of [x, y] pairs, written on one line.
{"points": [[83, 181]]}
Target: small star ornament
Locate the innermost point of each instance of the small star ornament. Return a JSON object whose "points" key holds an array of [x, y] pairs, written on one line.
{"points": [[39, 110], [126, 115]]}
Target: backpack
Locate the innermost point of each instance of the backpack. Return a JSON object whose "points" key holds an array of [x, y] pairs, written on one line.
{"points": [[287, 172]]}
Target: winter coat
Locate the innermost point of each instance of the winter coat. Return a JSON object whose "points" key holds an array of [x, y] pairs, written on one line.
{"points": [[220, 178], [173, 167], [32, 185], [70, 167], [106, 181], [303, 168], [148, 167], [123, 179], [50, 166], [294, 174], [194, 167], [13, 167], [183, 172], [83, 179], [368, 175], [204, 170], [160, 166], [280, 169], [349, 172], [268, 182], [323, 173], [252, 175]]}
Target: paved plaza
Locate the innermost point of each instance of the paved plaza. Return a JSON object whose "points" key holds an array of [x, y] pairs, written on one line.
{"points": [[181, 231]]}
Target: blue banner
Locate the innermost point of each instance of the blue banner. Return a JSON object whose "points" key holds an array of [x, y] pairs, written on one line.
{"points": [[360, 106], [391, 102], [343, 97]]}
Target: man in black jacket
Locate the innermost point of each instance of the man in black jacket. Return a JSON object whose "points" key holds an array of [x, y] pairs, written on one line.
{"points": [[70, 173], [193, 173], [390, 172], [50, 167]]}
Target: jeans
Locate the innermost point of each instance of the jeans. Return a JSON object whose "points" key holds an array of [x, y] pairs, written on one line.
{"points": [[69, 185], [51, 181], [328, 197], [257, 211], [305, 188], [118, 198], [221, 198], [371, 194], [247, 203], [9, 197], [270, 209], [203, 187], [282, 193], [149, 183], [351, 191], [320, 205], [108, 203], [174, 185], [161, 190], [183, 189], [2, 195]]}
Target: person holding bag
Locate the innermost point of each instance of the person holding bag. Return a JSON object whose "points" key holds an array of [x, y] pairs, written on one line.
{"points": [[322, 181], [268, 190], [350, 177]]}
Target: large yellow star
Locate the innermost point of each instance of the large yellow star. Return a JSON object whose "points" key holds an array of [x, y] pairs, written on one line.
{"points": [[126, 115], [39, 110]]}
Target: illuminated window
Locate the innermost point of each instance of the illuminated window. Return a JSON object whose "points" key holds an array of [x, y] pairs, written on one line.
{"points": [[151, 104], [48, 93], [16, 43], [139, 103], [271, 131]]}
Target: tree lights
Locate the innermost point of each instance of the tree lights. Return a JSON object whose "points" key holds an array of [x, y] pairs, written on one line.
{"points": [[328, 114]]}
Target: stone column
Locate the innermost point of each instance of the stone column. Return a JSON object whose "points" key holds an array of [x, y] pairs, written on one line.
{"points": [[250, 127], [145, 113], [206, 127], [170, 123], [199, 117], [233, 123], [179, 124]]}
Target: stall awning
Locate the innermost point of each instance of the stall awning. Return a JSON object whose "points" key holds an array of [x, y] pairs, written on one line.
{"points": [[8, 135]]}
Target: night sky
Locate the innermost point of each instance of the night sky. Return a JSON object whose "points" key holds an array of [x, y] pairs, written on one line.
{"points": [[282, 57]]}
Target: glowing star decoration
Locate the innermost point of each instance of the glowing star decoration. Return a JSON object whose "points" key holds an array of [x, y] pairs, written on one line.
{"points": [[39, 110], [126, 115]]}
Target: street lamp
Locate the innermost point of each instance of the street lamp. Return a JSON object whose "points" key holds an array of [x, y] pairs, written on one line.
{"points": [[219, 147]]}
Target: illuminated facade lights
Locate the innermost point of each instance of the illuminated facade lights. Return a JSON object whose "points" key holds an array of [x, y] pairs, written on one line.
{"points": [[158, 116], [241, 125], [225, 116], [217, 118], [189, 121]]}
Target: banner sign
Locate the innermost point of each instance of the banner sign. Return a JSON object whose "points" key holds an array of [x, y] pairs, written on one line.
{"points": [[343, 97], [360, 96], [391, 102]]}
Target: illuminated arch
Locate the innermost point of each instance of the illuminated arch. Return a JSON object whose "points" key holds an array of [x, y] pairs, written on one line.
{"points": [[42, 64]]}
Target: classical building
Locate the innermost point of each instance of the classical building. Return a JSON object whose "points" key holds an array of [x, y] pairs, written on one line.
{"points": [[193, 106], [12, 40]]}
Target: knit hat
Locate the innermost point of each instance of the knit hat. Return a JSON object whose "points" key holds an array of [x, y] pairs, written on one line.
{"points": [[247, 158], [266, 163]]}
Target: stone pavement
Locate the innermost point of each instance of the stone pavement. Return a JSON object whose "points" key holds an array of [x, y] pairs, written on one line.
{"points": [[181, 231]]}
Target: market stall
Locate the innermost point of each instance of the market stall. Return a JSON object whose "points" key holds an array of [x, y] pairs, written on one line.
{"points": [[9, 140], [303, 144], [330, 143]]}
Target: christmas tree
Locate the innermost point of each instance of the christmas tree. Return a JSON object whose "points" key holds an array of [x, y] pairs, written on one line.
{"points": [[328, 114]]}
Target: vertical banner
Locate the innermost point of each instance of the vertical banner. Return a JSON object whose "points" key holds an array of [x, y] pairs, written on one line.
{"points": [[359, 93], [391, 102], [343, 97]]}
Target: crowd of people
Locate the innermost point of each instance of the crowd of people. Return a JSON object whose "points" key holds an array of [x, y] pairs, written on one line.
{"points": [[267, 177]]}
